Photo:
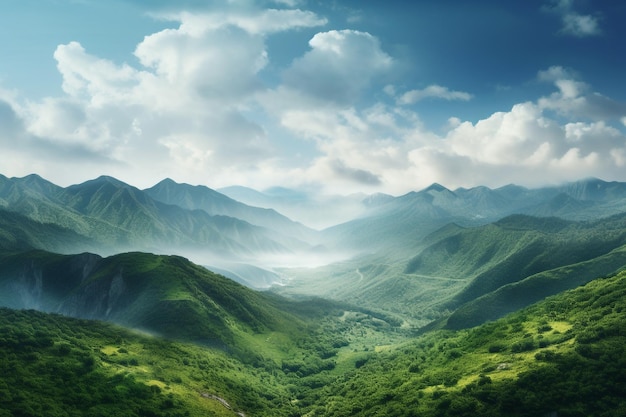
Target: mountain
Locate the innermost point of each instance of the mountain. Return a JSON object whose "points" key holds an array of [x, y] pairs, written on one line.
{"points": [[418, 325], [18, 232], [400, 222], [513, 248], [564, 356], [373, 253], [214, 203], [115, 217], [517, 295], [163, 295], [517, 261], [461, 276]]}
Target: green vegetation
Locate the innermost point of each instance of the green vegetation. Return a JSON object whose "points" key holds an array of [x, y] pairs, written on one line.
{"points": [[195, 343], [57, 366], [162, 295], [565, 355], [477, 273]]}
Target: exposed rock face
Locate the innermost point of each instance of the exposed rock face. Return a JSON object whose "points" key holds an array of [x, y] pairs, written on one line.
{"points": [[67, 286], [95, 299], [29, 287]]}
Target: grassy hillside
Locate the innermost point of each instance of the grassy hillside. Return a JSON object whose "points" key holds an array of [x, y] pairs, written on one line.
{"points": [[485, 271], [515, 296], [56, 366], [165, 295], [565, 356], [18, 232], [511, 251]]}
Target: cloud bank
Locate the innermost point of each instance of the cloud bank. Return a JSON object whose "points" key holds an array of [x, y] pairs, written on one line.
{"points": [[198, 106]]}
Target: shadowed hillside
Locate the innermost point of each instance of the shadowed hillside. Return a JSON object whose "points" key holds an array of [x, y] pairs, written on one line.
{"points": [[164, 295]]}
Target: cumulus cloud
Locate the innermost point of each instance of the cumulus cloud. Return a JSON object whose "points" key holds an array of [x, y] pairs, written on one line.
{"points": [[529, 144], [196, 107], [339, 66], [189, 102], [575, 98]]}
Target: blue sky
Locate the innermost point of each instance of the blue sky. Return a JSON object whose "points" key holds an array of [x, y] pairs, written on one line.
{"points": [[330, 96]]}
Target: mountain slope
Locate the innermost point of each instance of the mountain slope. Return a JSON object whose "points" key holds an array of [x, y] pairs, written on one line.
{"points": [[120, 217], [55, 366], [214, 203], [514, 248], [165, 295], [18, 232], [564, 356], [517, 295], [398, 224], [457, 265]]}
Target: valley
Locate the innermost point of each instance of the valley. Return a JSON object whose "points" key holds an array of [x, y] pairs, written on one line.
{"points": [[180, 300]]}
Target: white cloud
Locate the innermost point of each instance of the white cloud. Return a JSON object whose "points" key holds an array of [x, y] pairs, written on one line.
{"points": [[580, 25], [187, 104], [196, 108], [433, 91], [574, 23], [339, 66], [88, 76], [526, 145], [255, 22], [575, 98]]}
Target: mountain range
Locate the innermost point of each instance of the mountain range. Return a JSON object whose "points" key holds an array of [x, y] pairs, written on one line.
{"points": [[438, 302], [398, 224], [167, 218], [420, 255]]}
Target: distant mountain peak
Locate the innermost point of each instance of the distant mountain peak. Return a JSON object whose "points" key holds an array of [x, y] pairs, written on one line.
{"points": [[106, 179], [167, 181], [436, 187], [33, 177]]}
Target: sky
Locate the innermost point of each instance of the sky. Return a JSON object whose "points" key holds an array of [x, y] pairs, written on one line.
{"points": [[334, 97]]}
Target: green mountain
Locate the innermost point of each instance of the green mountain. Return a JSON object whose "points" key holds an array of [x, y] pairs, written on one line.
{"points": [[114, 217], [151, 224], [397, 226], [18, 232], [514, 296], [483, 271], [55, 366], [196, 343], [162, 295], [564, 356], [519, 252], [214, 203]]}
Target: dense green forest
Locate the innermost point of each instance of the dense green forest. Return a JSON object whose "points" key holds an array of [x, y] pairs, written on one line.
{"points": [[564, 356]]}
